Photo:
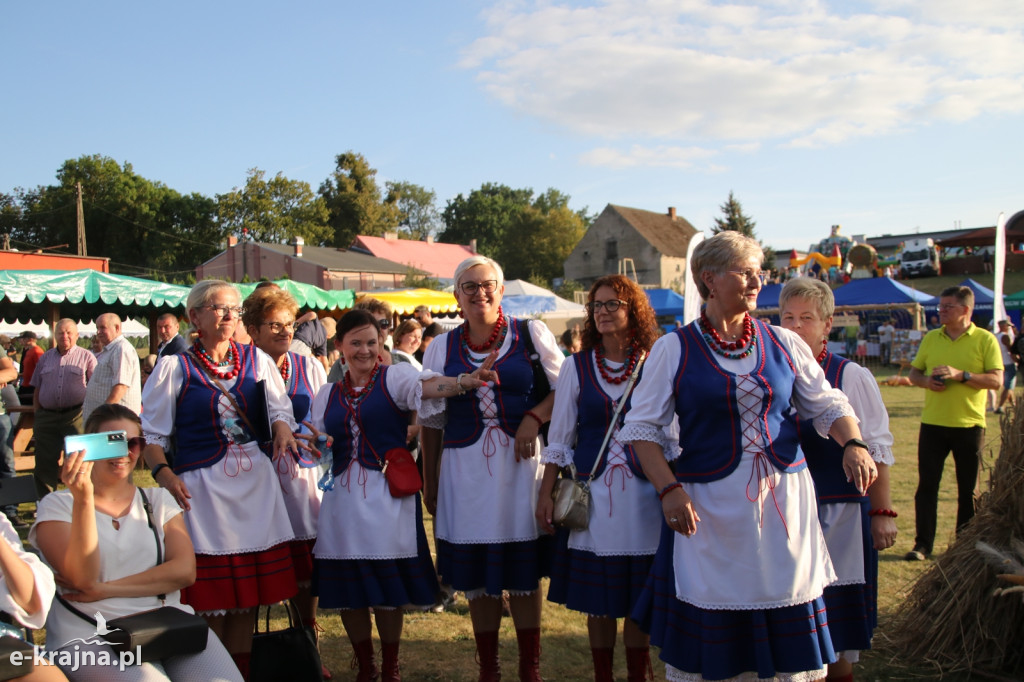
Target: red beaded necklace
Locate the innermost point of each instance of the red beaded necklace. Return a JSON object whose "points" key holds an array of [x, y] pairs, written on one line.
{"points": [[729, 349], [624, 372], [499, 327], [353, 396], [286, 369], [823, 353], [233, 358]]}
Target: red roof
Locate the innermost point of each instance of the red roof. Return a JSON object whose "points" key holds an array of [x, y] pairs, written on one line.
{"points": [[435, 258]]}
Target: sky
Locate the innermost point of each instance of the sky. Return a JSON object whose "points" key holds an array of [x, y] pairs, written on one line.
{"points": [[884, 117]]}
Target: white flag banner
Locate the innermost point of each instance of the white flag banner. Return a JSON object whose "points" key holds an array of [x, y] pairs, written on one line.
{"points": [[998, 309], [691, 297]]}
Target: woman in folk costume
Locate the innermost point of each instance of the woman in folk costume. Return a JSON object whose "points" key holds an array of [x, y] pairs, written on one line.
{"points": [[269, 319], [371, 550], [602, 569], [736, 588], [484, 484], [855, 525], [203, 402]]}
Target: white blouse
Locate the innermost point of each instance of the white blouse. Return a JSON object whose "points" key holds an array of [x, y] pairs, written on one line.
{"points": [[42, 575]]}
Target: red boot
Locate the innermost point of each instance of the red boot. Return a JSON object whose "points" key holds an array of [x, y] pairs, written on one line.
{"points": [[603, 659], [390, 670], [638, 664], [365, 661], [487, 656], [529, 654]]}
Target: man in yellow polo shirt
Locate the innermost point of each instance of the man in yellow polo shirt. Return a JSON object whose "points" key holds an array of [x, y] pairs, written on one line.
{"points": [[956, 364]]}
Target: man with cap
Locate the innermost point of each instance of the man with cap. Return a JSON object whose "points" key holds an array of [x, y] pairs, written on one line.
{"points": [[118, 375], [59, 385]]}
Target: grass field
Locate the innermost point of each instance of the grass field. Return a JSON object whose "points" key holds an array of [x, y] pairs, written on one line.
{"points": [[440, 647]]}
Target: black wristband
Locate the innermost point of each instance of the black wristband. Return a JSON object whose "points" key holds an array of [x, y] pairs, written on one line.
{"points": [[158, 468], [966, 377], [855, 441]]}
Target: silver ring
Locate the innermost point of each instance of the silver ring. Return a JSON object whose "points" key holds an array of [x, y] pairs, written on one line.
{"points": [[673, 520]]}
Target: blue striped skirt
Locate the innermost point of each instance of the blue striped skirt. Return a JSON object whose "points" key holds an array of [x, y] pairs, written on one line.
{"points": [[515, 566], [852, 609]]}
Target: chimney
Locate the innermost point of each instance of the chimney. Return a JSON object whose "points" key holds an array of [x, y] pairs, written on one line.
{"points": [[472, 245], [671, 212], [430, 239], [299, 241], [232, 240], [390, 236]]}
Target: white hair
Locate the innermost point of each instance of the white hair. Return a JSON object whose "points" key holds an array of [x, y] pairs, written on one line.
{"points": [[474, 261]]}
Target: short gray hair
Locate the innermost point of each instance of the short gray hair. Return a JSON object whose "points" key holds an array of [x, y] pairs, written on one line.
{"points": [[202, 292], [717, 253], [811, 289], [474, 261]]}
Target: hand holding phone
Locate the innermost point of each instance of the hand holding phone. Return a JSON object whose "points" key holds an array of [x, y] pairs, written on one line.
{"points": [[106, 445]]}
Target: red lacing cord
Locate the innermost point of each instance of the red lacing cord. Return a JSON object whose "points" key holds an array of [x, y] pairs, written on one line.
{"points": [[764, 470]]}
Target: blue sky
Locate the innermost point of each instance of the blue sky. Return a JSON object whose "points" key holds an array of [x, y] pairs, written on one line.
{"points": [[884, 117]]}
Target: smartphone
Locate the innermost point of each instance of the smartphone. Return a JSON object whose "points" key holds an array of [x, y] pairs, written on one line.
{"points": [[106, 445]]}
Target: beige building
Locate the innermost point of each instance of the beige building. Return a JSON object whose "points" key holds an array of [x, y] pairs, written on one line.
{"points": [[656, 243]]}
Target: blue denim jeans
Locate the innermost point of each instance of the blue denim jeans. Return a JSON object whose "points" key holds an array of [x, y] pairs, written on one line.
{"points": [[6, 457]]}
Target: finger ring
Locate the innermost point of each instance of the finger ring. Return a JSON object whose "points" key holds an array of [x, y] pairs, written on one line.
{"points": [[673, 520]]}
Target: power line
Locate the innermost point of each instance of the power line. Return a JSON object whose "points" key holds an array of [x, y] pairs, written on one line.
{"points": [[148, 229]]}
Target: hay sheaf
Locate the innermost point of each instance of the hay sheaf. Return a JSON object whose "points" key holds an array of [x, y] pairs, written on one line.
{"points": [[951, 618]]}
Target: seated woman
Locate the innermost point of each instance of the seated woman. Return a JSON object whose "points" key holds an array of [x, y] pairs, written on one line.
{"points": [[26, 590], [97, 537]]}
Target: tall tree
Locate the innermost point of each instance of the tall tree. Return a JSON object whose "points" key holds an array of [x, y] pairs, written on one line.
{"points": [[275, 210], [735, 220], [485, 215], [354, 201], [418, 216], [540, 241]]}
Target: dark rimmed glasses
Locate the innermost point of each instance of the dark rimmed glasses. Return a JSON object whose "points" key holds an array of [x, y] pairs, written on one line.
{"points": [[610, 305], [488, 286]]}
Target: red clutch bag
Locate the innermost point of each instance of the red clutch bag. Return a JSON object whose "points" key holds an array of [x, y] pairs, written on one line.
{"points": [[400, 471]]}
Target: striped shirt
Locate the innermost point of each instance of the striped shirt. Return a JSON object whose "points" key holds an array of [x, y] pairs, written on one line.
{"points": [[117, 363], [61, 379]]}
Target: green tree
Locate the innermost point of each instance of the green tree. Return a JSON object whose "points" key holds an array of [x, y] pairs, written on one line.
{"points": [[275, 210], [486, 215], [540, 241], [354, 202], [418, 216], [735, 220]]}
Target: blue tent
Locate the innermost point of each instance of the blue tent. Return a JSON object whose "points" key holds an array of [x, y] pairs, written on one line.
{"points": [[665, 301], [880, 291], [983, 296], [769, 296]]}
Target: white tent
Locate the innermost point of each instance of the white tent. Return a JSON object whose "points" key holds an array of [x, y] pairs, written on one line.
{"points": [[128, 328], [525, 299]]}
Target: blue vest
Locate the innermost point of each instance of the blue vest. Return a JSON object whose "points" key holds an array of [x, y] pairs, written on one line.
{"points": [[300, 392], [199, 439], [825, 455], [382, 425], [465, 421], [710, 429], [593, 416]]}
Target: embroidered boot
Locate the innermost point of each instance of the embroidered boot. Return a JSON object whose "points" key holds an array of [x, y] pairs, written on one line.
{"points": [[487, 656], [365, 661], [529, 654], [638, 664], [390, 670], [603, 659]]}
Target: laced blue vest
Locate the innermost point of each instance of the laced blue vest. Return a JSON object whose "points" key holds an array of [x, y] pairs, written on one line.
{"points": [[593, 418]]}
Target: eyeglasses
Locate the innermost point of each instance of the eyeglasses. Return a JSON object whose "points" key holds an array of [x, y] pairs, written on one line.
{"points": [[950, 306], [488, 286], [611, 305], [278, 327], [223, 310], [750, 273], [136, 444]]}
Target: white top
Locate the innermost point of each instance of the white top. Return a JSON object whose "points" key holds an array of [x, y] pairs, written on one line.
{"points": [[484, 494], [359, 519], [624, 510], [865, 398], [298, 484], [759, 544], [117, 363], [1007, 357], [885, 333], [125, 551], [237, 504], [398, 356], [41, 573]]}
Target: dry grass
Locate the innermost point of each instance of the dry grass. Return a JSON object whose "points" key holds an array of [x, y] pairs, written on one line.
{"points": [[440, 647]]}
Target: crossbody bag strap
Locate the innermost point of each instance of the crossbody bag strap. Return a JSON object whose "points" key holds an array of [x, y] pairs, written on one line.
{"points": [[615, 417], [227, 393], [159, 560]]}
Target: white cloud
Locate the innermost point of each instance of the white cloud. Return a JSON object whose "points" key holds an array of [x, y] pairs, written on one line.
{"points": [[647, 157], [795, 72]]}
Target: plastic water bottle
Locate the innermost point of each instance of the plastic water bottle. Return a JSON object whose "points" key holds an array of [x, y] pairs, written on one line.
{"points": [[326, 464]]}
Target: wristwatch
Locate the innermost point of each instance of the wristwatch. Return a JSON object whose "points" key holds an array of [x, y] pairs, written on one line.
{"points": [[855, 441], [966, 377]]}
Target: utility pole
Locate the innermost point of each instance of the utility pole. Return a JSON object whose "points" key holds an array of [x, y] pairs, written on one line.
{"points": [[81, 221]]}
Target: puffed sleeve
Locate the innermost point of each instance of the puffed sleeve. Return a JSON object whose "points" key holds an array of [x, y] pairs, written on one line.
{"points": [[652, 410], [278, 403], [861, 389], [547, 348], [160, 400], [319, 407], [434, 359], [405, 384], [42, 575], [813, 397], [562, 432]]}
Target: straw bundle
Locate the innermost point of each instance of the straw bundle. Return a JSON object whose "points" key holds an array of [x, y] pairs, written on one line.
{"points": [[953, 617]]}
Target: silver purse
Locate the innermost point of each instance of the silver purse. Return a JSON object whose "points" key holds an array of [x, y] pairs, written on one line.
{"points": [[572, 502]]}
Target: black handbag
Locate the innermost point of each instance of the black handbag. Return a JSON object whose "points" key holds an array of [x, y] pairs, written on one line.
{"points": [[8, 646], [288, 654], [159, 633]]}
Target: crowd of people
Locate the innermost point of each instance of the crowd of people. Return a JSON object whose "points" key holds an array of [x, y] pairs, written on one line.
{"points": [[736, 475]]}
